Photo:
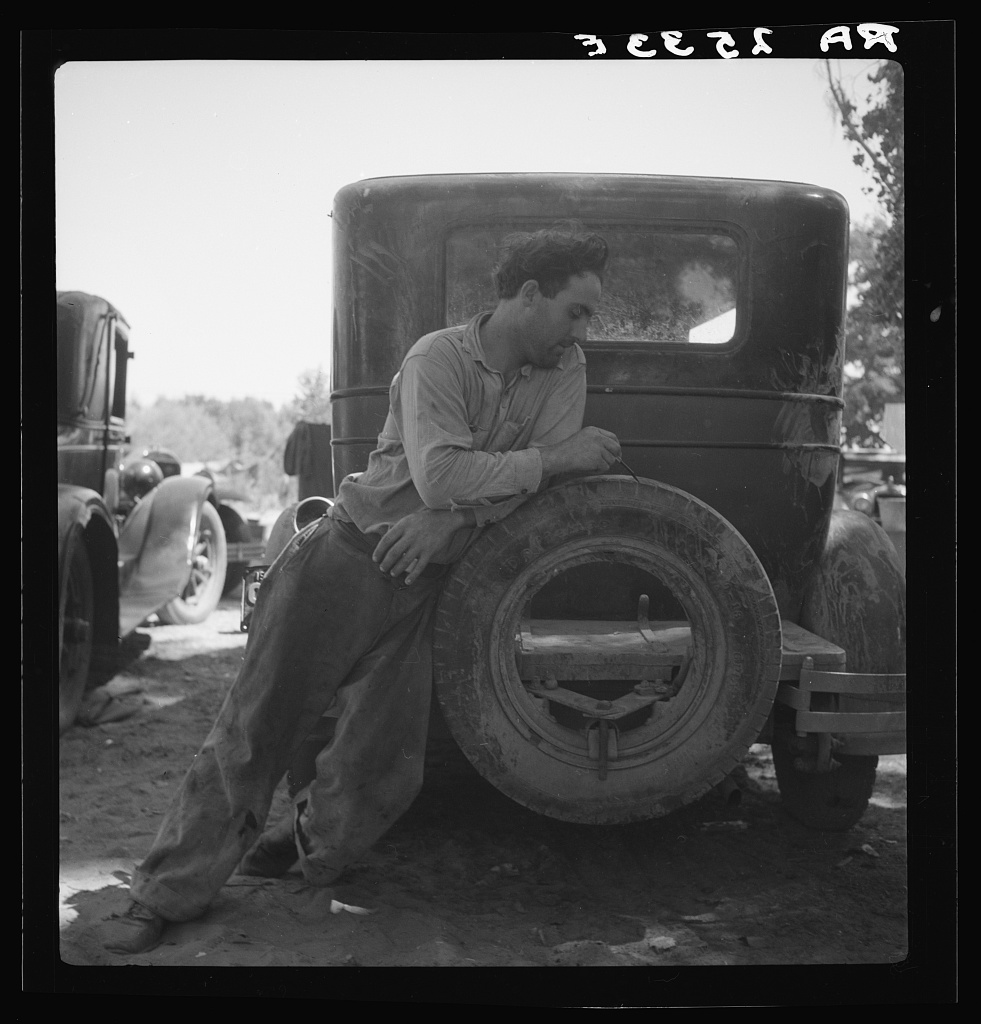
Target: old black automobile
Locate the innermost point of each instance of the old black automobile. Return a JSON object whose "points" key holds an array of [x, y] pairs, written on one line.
{"points": [[612, 649], [135, 537]]}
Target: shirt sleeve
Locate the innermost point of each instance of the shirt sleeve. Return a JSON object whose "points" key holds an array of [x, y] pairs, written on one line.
{"points": [[429, 404]]}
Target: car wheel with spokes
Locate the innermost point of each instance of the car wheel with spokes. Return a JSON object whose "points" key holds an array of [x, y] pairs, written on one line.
{"points": [[206, 582]]}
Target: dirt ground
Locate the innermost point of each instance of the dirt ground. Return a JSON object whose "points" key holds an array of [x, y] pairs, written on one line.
{"points": [[468, 878]]}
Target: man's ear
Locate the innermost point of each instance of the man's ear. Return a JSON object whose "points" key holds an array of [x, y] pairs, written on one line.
{"points": [[528, 292]]}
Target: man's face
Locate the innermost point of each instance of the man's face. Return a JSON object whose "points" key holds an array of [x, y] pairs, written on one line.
{"points": [[556, 324]]}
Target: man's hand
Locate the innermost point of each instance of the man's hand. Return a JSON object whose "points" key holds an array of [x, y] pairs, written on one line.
{"points": [[589, 450], [410, 543]]}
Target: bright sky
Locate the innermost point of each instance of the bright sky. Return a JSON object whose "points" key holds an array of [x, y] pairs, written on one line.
{"points": [[194, 195]]}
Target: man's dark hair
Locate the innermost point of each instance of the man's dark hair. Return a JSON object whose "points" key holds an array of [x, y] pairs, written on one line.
{"points": [[549, 257]]}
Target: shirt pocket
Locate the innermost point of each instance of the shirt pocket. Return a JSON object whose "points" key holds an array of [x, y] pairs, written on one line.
{"points": [[480, 435]]}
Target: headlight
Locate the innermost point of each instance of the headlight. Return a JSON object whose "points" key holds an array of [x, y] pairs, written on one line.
{"points": [[139, 477]]}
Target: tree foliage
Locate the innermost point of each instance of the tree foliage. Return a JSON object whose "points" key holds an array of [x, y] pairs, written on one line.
{"points": [[312, 404], [201, 429], [871, 115], [243, 435], [188, 429]]}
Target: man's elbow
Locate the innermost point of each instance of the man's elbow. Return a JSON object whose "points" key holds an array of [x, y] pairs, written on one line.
{"points": [[433, 494], [436, 480]]}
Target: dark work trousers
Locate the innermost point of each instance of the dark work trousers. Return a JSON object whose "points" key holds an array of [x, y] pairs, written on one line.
{"points": [[326, 618]]}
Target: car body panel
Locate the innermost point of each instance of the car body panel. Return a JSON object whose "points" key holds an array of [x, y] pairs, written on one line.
{"points": [[716, 357], [751, 426], [140, 551]]}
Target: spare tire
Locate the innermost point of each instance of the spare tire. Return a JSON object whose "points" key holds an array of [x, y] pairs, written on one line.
{"points": [[683, 745]]}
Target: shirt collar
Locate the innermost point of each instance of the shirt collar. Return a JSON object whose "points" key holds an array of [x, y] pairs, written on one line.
{"points": [[471, 342]]}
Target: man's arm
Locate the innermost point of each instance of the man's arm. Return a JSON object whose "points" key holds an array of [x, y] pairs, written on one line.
{"points": [[429, 405], [558, 444], [448, 472], [409, 545]]}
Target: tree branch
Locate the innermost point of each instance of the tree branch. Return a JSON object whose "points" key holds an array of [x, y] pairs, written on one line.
{"points": [[880, 168]]}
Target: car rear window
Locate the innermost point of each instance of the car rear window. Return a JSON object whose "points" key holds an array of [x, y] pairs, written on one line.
{"points": [[662, 285]]}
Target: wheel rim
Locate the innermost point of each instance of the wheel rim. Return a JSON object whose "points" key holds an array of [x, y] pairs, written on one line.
{"points": [[202, 565], [670, 722]]}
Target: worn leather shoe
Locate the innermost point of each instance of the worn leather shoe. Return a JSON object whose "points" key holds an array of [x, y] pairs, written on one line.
{"points": [[273, 855], [134, 931]]}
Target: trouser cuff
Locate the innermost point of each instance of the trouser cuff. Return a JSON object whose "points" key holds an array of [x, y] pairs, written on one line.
{"points": [[164, 902]]}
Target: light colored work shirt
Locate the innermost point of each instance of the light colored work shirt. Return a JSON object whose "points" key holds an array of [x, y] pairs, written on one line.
{"points": [[459, 436]]}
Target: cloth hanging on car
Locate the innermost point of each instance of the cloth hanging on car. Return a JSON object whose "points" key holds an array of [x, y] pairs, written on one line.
{"points": [[307, 456]]}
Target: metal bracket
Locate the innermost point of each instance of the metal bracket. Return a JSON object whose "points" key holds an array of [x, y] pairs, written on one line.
{"points": [[644, 623], [601, 741], [832, 730], [644, 693]]}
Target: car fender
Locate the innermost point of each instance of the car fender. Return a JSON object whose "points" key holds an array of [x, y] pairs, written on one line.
{"points": [[857, 595], [155, 547], [224, 488], [857, 600]]}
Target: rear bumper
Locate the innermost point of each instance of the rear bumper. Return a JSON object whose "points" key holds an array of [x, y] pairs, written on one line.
{"points": [[850, 712]]}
